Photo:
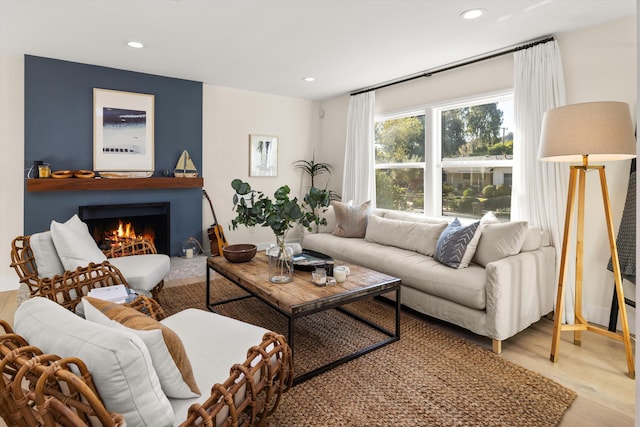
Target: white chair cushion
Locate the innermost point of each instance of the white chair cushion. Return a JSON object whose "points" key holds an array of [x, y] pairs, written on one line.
{"points": [[213, 343], [118, 360], [44, 251], [74, 244], [143, 272]]}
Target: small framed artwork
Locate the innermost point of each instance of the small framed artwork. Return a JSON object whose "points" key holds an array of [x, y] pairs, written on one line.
{"points": [[263, 155], [123, 126]]}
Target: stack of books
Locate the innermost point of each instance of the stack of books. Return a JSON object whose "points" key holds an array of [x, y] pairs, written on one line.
{"points": [[116, 293]]}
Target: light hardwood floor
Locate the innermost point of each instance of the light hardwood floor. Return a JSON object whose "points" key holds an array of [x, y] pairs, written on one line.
{"points": [[597, 370]]}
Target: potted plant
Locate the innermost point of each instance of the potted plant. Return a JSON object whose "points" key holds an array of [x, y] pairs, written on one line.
{"points": [[313, 169], [280, 214]]}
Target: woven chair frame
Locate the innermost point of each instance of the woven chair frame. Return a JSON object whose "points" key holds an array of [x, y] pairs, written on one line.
{"points": [[69, 288], [253, 390], [39, 389], [42, 389], [131, 247]]}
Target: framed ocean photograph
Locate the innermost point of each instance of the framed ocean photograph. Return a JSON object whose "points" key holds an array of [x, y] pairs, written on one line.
{"points": [[263, 155], [123, 126]]}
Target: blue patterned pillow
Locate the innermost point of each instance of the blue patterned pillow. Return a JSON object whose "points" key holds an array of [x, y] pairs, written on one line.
{"points": [[453, 243]]}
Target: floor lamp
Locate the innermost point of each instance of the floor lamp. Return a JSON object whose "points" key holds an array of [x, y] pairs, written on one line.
{"points": [[592, 131]]}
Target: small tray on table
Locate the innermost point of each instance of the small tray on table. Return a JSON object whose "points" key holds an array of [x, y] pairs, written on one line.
{"points": [[308, 260]]}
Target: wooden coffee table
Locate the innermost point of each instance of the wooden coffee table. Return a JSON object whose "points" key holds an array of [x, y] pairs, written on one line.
{"points": [[302, 297]]}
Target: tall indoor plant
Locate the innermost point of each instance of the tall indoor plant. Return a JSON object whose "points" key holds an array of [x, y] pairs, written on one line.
{"points": [[314, 169], [280, 214]]}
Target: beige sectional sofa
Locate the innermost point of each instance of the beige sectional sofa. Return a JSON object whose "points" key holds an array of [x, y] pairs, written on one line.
{"points": [[507, 285]]}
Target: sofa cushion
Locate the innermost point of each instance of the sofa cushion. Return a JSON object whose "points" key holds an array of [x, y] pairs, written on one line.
{"points": [[44, 251], [500, 241], [118, 360], [533, 240], [488, 218], [167, 352], [407, 216], [143, 272], [74, 244], [351, 219], [418, 237], [453, 243]]}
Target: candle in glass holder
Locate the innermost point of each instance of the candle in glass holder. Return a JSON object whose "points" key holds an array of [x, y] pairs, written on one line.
{"points": [[340, 274]]}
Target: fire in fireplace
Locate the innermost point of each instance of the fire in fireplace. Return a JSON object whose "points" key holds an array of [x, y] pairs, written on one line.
{"points": [[111, 224]]}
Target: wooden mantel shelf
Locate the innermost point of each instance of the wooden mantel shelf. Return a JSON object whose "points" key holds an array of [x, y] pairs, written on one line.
{"points": [[96, 184]]}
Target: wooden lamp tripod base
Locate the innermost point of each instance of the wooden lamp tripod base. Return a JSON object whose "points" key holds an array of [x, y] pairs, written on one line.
{"points": [[581, 324]]}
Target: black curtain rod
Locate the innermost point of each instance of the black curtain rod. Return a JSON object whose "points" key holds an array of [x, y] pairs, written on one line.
{"points": [[455, 65]]}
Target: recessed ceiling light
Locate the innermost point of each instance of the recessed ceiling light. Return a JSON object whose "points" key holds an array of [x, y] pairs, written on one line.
{"points": [[472, 13], [309, 79], [136, 45]]}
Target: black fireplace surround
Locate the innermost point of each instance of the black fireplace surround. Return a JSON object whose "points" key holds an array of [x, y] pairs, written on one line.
{"points": [[153, 216]]}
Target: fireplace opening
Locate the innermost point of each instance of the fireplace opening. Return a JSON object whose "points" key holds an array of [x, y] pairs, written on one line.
{"points": [[109, 224]]}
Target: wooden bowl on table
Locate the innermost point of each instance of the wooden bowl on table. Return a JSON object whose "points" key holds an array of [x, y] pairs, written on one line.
{"points": [[239, 253]]}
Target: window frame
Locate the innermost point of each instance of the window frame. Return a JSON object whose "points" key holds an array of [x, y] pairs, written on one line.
{"points": [[433, 163]]}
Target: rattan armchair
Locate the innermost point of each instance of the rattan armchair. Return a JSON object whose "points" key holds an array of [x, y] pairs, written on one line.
{"points": [[67, 289], [39, 389]]}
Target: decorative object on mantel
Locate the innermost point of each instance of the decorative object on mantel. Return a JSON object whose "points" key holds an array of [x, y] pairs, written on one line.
{"points": [[596, 131], [61, 174], [123, 131], [185, 167], [84, 173], [254, 208], [121, 175]]}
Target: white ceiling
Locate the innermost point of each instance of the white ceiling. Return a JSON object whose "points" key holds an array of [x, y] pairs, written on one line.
{"points": [[269, 46]]}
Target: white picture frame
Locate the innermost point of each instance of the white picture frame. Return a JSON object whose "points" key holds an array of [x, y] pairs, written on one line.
{"points": [[263, 155], [123, 131]]}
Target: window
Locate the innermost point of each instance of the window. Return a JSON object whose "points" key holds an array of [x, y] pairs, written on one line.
{"points": [[459, 154], [400, 162]]}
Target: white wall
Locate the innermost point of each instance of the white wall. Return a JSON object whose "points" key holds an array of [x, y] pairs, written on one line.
{"points": [[599, 64], [11, 161], [230, 115]]}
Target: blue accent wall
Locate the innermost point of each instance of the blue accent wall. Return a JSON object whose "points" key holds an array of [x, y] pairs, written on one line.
{"points": [[59, 131]]}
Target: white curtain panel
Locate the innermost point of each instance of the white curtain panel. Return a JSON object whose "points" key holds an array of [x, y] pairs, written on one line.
{"points": [[358, 182], [539, 193]]}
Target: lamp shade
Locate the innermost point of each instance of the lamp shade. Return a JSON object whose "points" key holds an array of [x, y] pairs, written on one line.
{"points": [[602, 130]]}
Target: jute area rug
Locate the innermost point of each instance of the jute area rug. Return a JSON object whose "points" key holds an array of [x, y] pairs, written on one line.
{"points": [[428, 378]]}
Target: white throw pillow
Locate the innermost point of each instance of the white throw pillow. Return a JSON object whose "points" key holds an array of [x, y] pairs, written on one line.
{"points": [[44, 251], [488, 218], [500, 241], [118, 360], [74, 244]]}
